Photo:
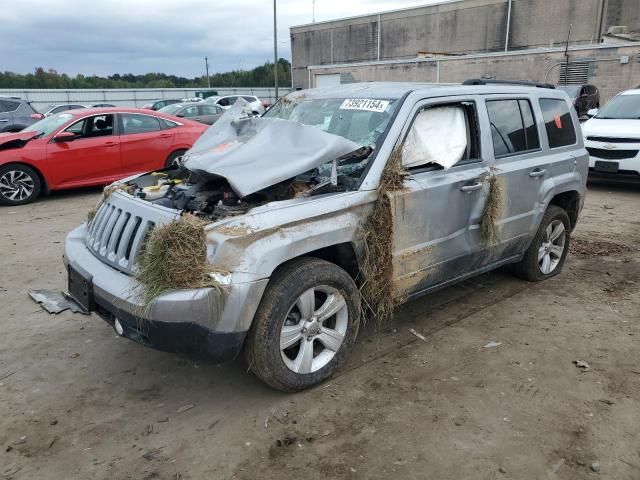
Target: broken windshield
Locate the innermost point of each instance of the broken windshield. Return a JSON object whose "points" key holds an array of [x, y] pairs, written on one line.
{"points": [[360, 120]]}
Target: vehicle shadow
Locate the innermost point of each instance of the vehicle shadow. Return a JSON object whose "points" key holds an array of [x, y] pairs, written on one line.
{"points": [[605, 184]]}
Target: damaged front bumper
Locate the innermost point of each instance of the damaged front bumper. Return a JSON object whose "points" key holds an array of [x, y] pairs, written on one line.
{"points": [[198, 322]]}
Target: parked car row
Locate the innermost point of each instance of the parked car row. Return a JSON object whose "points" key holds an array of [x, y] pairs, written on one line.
{"points": [[93, 146]]}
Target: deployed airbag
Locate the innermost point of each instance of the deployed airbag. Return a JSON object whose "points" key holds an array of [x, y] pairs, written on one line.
{"points": [[438, 135], [256, 153]]}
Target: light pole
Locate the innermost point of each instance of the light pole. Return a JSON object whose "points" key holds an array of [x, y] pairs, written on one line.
{"points": [[313, 7], [275, 49], [206, 66]]}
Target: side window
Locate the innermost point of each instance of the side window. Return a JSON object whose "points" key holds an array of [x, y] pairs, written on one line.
{"points": [[209, 109], [134, 123], [168, 123], [224, 102], [98, 126], [443, 135], [191, 111], [557, 122], [8, 106], [250, 99], [513, 128]]}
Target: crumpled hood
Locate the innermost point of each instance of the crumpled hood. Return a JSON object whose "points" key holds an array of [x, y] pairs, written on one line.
{"points": [[256, 153], [623, 128], [18, 137]]}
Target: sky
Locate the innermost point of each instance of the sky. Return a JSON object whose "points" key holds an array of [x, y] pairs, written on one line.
{"points": [[169, 36]]}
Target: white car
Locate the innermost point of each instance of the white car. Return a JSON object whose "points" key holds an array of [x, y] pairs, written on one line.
{"points": [[228, 100], [612, 137]]}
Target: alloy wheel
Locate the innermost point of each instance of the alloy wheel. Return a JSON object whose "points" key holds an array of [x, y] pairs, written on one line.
{"points": [[314, 329], [16, 185], [552, 247]]}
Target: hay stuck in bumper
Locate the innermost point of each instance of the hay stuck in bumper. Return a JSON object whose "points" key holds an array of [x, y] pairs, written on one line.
{"points": [[174, 256]]}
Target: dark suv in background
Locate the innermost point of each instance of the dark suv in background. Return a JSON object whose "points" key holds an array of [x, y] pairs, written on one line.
{"points": [[16, 114], [583, 97]]}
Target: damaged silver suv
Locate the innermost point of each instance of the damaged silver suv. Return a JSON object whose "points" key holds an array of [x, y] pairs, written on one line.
{"points": [[337, 203]]}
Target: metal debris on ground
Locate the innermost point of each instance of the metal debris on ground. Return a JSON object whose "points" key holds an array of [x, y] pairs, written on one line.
{"points": [[55, 302], [582, 365], [420, 336], [184, 408]]}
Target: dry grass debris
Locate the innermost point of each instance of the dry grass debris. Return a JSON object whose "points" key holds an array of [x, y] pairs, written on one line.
{"points": [[378, 288], [493, 211], [174, 256]]}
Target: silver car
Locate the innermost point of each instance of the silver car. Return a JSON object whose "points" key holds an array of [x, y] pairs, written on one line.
{"points": [[472, 177], [227, 101]]}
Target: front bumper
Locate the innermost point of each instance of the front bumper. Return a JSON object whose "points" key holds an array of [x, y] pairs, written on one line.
{"points": [[623, 168], [200, 322]]}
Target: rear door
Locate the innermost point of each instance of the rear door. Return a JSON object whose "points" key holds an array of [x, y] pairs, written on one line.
{"points": [[6, 115], [519, 172], [436, 216], [91, 158], [144, 144]]}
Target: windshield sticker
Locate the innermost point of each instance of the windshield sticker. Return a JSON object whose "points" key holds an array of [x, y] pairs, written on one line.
{"points": [[364, 104]]}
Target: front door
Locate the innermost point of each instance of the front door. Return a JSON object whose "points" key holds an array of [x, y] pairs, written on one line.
{"points": [[436, 216], [6, 117], [92, 157]]}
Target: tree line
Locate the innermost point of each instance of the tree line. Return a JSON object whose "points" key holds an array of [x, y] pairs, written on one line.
{"points": [[261, 76]]}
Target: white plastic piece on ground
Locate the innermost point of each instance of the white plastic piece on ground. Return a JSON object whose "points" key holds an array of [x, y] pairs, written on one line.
{"points": [[118, 327], [438, 135]]}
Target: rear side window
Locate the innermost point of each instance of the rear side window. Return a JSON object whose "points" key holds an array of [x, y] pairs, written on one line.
{"points": [[557, 122], [513, 128], [133, 123], [8, 106]]}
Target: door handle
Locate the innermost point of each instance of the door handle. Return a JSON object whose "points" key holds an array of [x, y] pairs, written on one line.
{"points": [[110, 144], [197, 118], [537, 173], [472, 187], [4, 121], [164, 136]]}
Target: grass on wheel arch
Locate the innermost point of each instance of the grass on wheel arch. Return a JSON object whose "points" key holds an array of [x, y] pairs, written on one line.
{"points": [[378, 292]]}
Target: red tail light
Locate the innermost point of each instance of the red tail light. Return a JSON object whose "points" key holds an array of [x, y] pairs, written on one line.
{"points": [[37, 116]]}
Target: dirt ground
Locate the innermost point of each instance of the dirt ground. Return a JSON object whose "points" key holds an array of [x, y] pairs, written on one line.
{"points": [[78, 402]]}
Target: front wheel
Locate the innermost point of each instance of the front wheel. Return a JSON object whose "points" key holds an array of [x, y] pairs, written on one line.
{"points": [[548, 250], [19, 184], [305, 326], [174, 159]]}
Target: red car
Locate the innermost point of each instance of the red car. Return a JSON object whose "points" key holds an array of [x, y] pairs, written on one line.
{"points": [[94, 146]]}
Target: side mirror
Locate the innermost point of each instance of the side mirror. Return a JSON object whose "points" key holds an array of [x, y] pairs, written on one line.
{"points": [[592, 112], [180, 114], [64, 137]]}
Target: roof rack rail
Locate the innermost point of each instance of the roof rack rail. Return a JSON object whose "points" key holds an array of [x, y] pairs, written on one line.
{"points": [[524, 83]]}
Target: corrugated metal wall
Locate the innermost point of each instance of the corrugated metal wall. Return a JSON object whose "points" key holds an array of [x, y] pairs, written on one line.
{"points": [[40, 98]]}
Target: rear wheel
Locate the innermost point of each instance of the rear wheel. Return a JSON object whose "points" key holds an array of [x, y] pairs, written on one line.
{"points": [[174, 159], [305, 326], [19, 184], [548, 250]]}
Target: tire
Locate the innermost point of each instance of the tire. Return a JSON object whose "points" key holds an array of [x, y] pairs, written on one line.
{"points": [[19, 184], [285, 308], [173, 158], [534, 266]]}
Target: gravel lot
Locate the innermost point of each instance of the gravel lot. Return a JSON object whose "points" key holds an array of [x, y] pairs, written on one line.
{"points": [[78, 402]]}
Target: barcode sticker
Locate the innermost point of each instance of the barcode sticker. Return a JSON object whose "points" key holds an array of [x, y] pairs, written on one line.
{"points": [[364, 104]]}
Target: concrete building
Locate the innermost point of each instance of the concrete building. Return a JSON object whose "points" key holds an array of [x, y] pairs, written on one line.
{"points": [[456, 40]]}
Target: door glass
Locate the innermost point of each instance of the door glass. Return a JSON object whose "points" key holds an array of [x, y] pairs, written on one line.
{"points": [[191, 111], [442, 136], [90, 127], [134, 123], [208, 110], [557, 122], [513, 129]]}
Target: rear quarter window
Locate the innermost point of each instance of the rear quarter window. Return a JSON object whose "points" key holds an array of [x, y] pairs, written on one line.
{"points": [[558, 122], [8, 106]]}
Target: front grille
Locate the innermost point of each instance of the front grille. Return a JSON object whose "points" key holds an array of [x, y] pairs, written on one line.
{"points": [[611, 154], [120, 226], [613, 139]]}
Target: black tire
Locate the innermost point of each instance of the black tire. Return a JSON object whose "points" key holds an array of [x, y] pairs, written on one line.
{"points": [[262, 349], [26, 180], [173, 157], [529, 268]]}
